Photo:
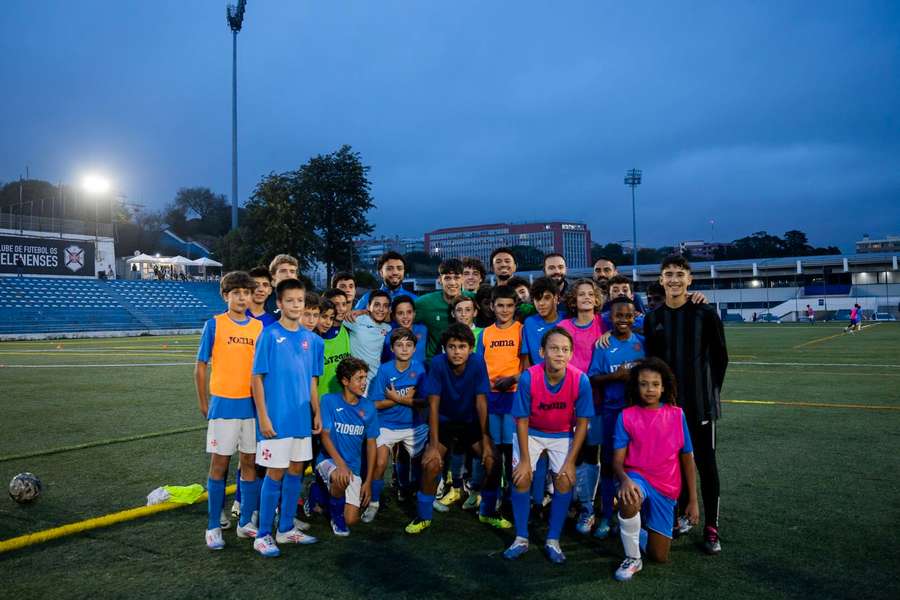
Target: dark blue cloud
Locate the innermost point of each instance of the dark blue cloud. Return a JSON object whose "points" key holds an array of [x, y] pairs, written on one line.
{"points": [[762, 116]]}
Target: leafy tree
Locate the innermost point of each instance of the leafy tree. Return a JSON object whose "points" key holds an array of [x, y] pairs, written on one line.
{"points": [[336, 187], [614, 252], [527, 258], [422, 264], [235, 250], [365, 279]]}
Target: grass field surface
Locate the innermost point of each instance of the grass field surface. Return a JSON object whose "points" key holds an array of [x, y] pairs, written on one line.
{"points": [[809, 455]]}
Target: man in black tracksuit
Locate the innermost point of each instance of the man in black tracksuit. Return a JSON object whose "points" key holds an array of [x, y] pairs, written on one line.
{"points": [[691, 340]]}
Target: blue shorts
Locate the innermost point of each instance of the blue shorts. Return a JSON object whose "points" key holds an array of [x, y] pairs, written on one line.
{"points": [[595, 431], [609, 416], [657, 511], [502, 428]]}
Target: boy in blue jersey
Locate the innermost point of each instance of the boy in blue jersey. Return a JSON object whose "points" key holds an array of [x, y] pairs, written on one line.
{"points": [[610, 369], [348, 420], [545, 296], [552, 397], [260, 297], [287, 414], [403, 314], [393, 391], [456, 389], [621, 287], [367, 331], [227, 344]]}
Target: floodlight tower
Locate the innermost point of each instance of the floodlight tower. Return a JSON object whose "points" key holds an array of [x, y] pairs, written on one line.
{"points": [[633, 179], [235, 17]]}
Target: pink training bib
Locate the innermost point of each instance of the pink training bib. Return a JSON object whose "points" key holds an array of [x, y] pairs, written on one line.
{"points": [[584, 339], [553, 412], [656, 439]]}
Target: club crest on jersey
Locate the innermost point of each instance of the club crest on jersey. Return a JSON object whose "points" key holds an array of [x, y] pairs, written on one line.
{"points": [[74, 258], [305, 345], [361, 413], [636, 346]]}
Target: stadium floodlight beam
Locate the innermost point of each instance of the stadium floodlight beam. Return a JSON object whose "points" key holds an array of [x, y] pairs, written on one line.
{"points": [[95, 184], [633, 179], [235, 17]]}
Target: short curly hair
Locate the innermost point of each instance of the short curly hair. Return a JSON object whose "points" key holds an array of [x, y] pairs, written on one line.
{"points": [[633, 389], [350, 366], [571, 297]]}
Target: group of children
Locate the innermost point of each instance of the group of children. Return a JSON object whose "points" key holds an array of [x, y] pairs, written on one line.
{"points": [[519, 395]]}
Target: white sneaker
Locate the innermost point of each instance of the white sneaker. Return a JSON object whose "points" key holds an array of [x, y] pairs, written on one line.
{"points": [[683, 526], [294, 536], [441, 508], [214, 539], [628, 569], [235, 510], [585, 522], [301, 525], [246, 531], [266, 546], [224, 519], [369, 514]]}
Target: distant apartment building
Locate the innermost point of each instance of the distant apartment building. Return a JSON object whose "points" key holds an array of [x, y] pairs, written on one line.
{"points": [[889, 243], [700, 250], [572, 240], [369, 249]]}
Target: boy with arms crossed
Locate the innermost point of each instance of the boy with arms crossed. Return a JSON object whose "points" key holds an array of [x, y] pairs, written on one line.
{"points": [[228, 343], [287, 407], [348, 420], [553, 399], [393, 392]]}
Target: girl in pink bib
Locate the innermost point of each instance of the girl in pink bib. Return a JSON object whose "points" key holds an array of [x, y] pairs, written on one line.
{"points": [[651, 448]]}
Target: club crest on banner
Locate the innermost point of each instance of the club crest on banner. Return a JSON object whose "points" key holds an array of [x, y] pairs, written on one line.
{"points": [[74, 258]]}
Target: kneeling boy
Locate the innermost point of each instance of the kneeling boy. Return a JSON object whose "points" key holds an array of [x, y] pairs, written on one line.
{"points": [[348, 419]]}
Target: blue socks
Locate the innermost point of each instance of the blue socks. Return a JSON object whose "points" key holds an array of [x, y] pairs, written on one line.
{"points": [[215, 489], [290, 493], [521, 505], [268, 500], [539, 483], [559, 508], [457, 461], [237, 476], [337, 510], [377, 488], [488, 502], [586, 485], [424, 506], [476, 476], [607, 493], [250, 494]]}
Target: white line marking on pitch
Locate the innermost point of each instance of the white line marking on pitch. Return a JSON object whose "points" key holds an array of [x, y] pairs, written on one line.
{"points": [[798, 364]]}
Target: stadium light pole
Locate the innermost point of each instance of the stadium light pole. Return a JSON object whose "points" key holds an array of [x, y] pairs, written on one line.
{"points": [[235, 17], [633, 179], [96, 186]]}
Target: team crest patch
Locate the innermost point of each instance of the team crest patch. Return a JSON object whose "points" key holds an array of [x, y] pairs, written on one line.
{"points": [[74, 258], [636, 346], [305, 345], [361, 413], [266, 454]]}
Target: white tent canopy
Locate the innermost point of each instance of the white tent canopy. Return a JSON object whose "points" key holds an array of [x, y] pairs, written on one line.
{"points": [[142, 258], [205, 262], [178, 260]]}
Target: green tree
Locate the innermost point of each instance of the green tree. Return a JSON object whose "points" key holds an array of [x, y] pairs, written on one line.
{"points": [[422, 264], [613, 252], [336, 186], [527, 258]]}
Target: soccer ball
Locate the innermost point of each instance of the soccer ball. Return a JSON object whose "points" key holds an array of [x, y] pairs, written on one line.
{"points": [[25, 488]]}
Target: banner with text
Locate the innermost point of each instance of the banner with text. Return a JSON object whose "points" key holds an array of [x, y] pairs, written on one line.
{"points": [[35, 256]]}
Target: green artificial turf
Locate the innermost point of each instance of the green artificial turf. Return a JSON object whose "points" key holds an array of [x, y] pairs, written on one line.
{"points": [[809, 506]]}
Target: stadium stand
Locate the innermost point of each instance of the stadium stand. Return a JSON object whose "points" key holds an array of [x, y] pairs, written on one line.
{"points": [[52, 305]]}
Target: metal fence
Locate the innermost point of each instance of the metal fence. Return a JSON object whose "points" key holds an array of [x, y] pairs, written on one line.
{"points": [[54, 225]]}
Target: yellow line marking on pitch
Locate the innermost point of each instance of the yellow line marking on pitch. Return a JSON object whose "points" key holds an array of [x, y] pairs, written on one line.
{"points": [[130, 514], [815, 404], [828, 337]]}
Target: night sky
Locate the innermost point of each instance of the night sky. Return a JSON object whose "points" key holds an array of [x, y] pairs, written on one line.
{"points": [[759, 115]]}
